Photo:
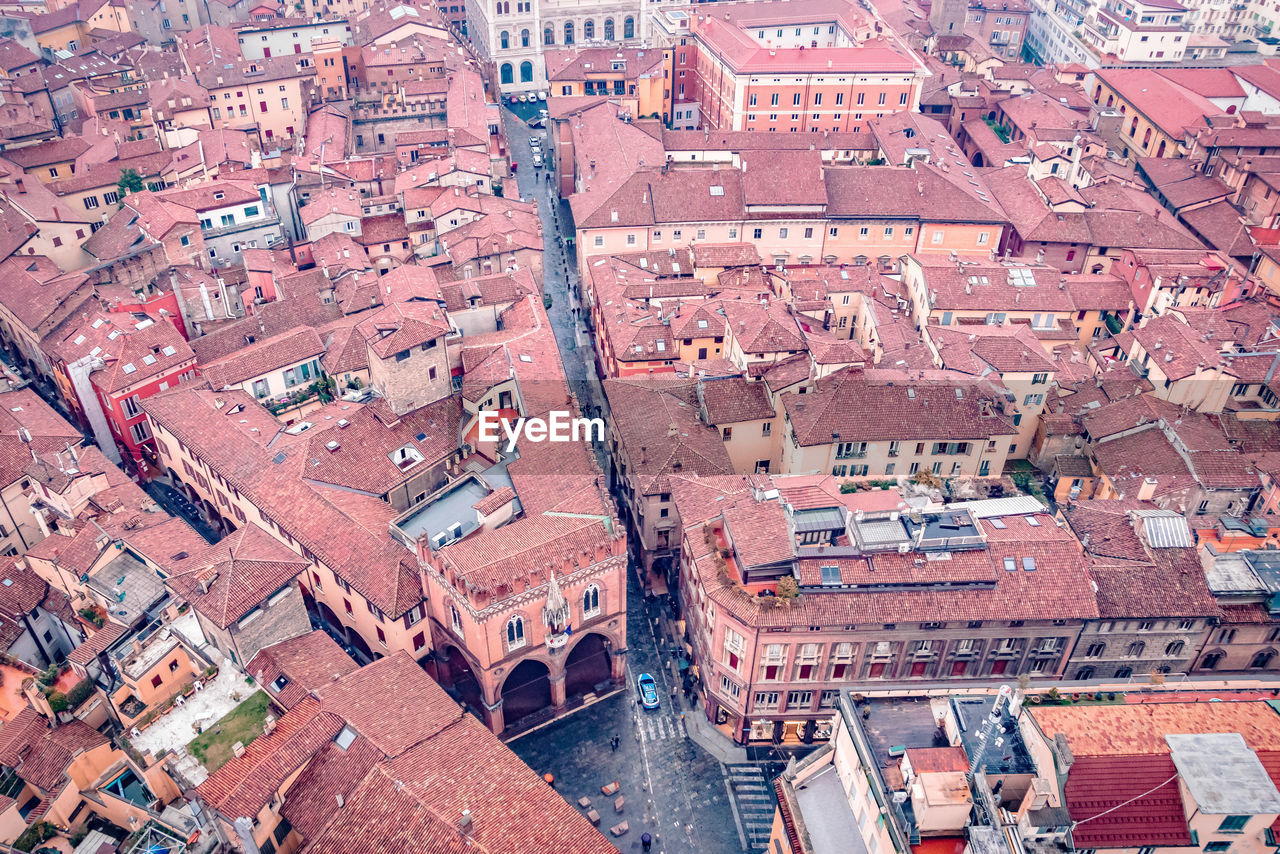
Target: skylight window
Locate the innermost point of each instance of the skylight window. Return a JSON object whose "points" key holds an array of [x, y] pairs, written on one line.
{"points": [[148, 359], [115, 333], [169, 351], [1021, 277], [717, 190], [1011, 564], [830, 576], [345, 738], [662, 345], [79, 340], [97, 323], [129, 368], [702, 324], [1033, 521], [998, 523], [525, 357], [1029, 564]]}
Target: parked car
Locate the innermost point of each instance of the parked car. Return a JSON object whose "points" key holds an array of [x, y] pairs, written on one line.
{"points": [[537, 122], [535, 142], [648, 690], [537, 159]]}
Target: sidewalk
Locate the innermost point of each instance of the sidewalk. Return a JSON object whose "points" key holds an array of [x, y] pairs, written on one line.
{"points": [[701, 731]]}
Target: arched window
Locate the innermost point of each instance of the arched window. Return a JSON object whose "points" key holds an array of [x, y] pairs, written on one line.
{"points": [[526, 72], [548, 36], [859, 260], [608, 29], [1095, 650], [1211, 661], [568, 32], [1097, 94], [1262, 659], [1160, 150], [524, 38], [1146, 138], [1111, 99], [629, 28], [507, 73], [1133, 127], [504, 39], [456, 618], [1124, 672], [1136, 648], [588, 29], [591, 602], [1084, 673], [515, 633], [1174, 648]]}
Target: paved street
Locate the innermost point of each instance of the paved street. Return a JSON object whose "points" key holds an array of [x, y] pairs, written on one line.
{"points": [[558, 264], [672, 788]]}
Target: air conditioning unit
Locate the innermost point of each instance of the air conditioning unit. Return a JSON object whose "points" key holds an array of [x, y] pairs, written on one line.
{"points": [[903, 548], [438, 540], [454, 530]]}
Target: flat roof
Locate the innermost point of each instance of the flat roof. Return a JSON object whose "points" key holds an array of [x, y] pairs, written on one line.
{"points": [[828, 816], [1223, 775]]}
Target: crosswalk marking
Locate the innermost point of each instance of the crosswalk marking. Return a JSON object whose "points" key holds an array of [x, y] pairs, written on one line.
{"points": [[754, 797], [661, 728]]}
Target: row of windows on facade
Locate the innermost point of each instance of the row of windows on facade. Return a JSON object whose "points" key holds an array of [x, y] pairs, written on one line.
{"points": [[983, 239], [817, 99], [588, 32], [515, 626]]}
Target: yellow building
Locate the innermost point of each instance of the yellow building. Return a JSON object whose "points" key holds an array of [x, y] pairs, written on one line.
{"points": [[628, 73]]}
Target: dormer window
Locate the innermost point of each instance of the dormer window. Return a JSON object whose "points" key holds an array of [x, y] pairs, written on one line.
{"points": [[406, 458]]}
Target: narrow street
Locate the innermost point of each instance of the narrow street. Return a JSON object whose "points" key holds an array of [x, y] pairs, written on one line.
{"points": [[559, 266], [687, 799]]}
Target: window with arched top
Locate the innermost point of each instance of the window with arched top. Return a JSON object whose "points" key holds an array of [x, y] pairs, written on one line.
{"points": [[524, 38], [456, 618], [526, 72], [507, 73], [1136, 649], [1084, 673], [568, 32], [591, 602], [548, 35], [1262, 659], [1124, 672], [629, 28], [504, 39], [515, 632], [1095, 650], [1174, 648], [608, 29], [588, 29], [1212, 660]]}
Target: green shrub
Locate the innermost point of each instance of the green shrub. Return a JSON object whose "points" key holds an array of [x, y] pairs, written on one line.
{"points": [[34, 835], [788, 587], [58, 701], [80, 693]]}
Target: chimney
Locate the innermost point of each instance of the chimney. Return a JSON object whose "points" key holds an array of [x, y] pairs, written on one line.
{"points": [[1148, 489], [21, 187], [465, 824]]}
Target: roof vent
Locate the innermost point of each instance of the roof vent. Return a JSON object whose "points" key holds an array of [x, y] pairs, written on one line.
{"points": [[332, 445]]}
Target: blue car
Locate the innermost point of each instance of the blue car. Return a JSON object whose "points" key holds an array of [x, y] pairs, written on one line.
{"points": [[648, 691]]}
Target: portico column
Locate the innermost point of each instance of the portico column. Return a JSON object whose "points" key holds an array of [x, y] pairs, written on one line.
{"points": [[557, 690], [618, 665], [493, 717]]}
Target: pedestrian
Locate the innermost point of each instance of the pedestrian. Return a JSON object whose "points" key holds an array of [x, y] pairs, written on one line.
{"points": [[646, 841], [613, 742]]}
